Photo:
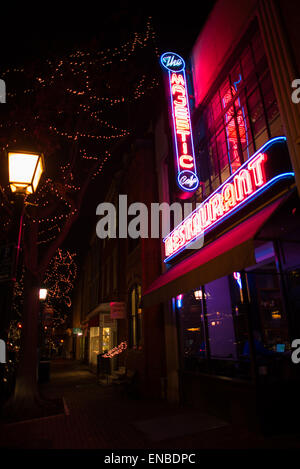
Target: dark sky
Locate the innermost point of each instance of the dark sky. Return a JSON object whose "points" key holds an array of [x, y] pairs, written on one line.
{"points": [[31, 30]]}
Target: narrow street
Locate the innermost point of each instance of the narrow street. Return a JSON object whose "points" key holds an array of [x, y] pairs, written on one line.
{"points": [[101, 417]]}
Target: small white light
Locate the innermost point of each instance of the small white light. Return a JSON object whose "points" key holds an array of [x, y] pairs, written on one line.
{"points": [[198, 294], [43, 293]]}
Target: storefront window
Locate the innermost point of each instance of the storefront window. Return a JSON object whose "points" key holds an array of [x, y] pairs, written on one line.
{"points": [[270, 323], [106, 339], [291, 264], [220, 321], [227, 327], [191, 327], [293, 283], [213, 329]]}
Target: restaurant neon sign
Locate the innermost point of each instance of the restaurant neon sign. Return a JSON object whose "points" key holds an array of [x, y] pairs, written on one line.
{"points": [[187, 179], [241, 187]]}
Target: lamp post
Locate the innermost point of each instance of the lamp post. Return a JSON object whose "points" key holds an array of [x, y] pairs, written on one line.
{"points": [[25, 169], [24, 173]]}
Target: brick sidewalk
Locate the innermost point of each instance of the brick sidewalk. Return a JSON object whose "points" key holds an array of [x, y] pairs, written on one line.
{"points": [[99, 417]]}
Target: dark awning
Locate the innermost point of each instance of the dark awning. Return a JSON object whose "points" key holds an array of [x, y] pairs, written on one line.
{"points": [[231, 252]]}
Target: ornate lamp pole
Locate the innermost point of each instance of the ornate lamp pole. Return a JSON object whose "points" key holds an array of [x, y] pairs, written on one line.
{"points": [[24, 173]]}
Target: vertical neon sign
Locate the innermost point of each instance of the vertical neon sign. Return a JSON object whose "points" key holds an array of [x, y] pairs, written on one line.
{"points": [[237, 277], [187, 179]]}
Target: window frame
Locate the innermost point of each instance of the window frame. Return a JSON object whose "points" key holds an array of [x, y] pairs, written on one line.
{"points": [[135, 335]]}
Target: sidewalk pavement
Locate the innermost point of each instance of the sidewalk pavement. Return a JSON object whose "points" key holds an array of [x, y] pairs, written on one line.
{"points": [[100, 417]]}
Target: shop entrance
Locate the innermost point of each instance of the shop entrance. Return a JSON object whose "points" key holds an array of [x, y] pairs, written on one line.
{"points": [[108, 337], [94, 345]]}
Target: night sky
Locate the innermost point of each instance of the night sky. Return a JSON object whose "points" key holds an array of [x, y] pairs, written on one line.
{"points": [[30, 31], [35, 32]]}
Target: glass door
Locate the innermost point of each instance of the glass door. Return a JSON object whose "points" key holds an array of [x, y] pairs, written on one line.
{"points": [[106, 339]]}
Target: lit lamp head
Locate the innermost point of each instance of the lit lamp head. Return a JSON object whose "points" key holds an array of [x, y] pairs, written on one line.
{"points": [[24, 171], [43, 293]]}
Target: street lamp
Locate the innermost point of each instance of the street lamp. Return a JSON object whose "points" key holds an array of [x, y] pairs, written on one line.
{"points": [[24, 171], [43, 293]]}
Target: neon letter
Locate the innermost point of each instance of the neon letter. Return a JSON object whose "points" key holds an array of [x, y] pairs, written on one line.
{"points": [[216, 206], [175, 241], [243, 184], [168, 247], [181, 236], [205, 215], [177, 78], [186, 161], [188, 229], [196, 224], [256, 166], [228, 195], [183, 134], [178, 89]]}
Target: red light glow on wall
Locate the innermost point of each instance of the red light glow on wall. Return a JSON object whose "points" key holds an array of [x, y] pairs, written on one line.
{"points": [[235, 124]]}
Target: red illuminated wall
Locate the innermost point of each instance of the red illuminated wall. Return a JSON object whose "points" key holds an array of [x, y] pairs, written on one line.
{"points": [[290, 18], [225, 25]]}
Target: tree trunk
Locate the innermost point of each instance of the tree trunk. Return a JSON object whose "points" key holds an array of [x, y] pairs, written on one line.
{"points": [[26, 401], [27, 371]]}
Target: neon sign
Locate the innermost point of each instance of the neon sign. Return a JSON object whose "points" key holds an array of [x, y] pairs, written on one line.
{"points": [[237, 277], [179, 301], [251, 179], [187, 179]]}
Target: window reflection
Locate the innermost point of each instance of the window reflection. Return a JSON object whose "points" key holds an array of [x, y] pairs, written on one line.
{"points": [[191, 329], [213, 329], [220, 320]]}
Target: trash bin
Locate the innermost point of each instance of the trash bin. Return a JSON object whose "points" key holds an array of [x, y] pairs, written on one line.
{"points": [[103, 365], [44, 371]]}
